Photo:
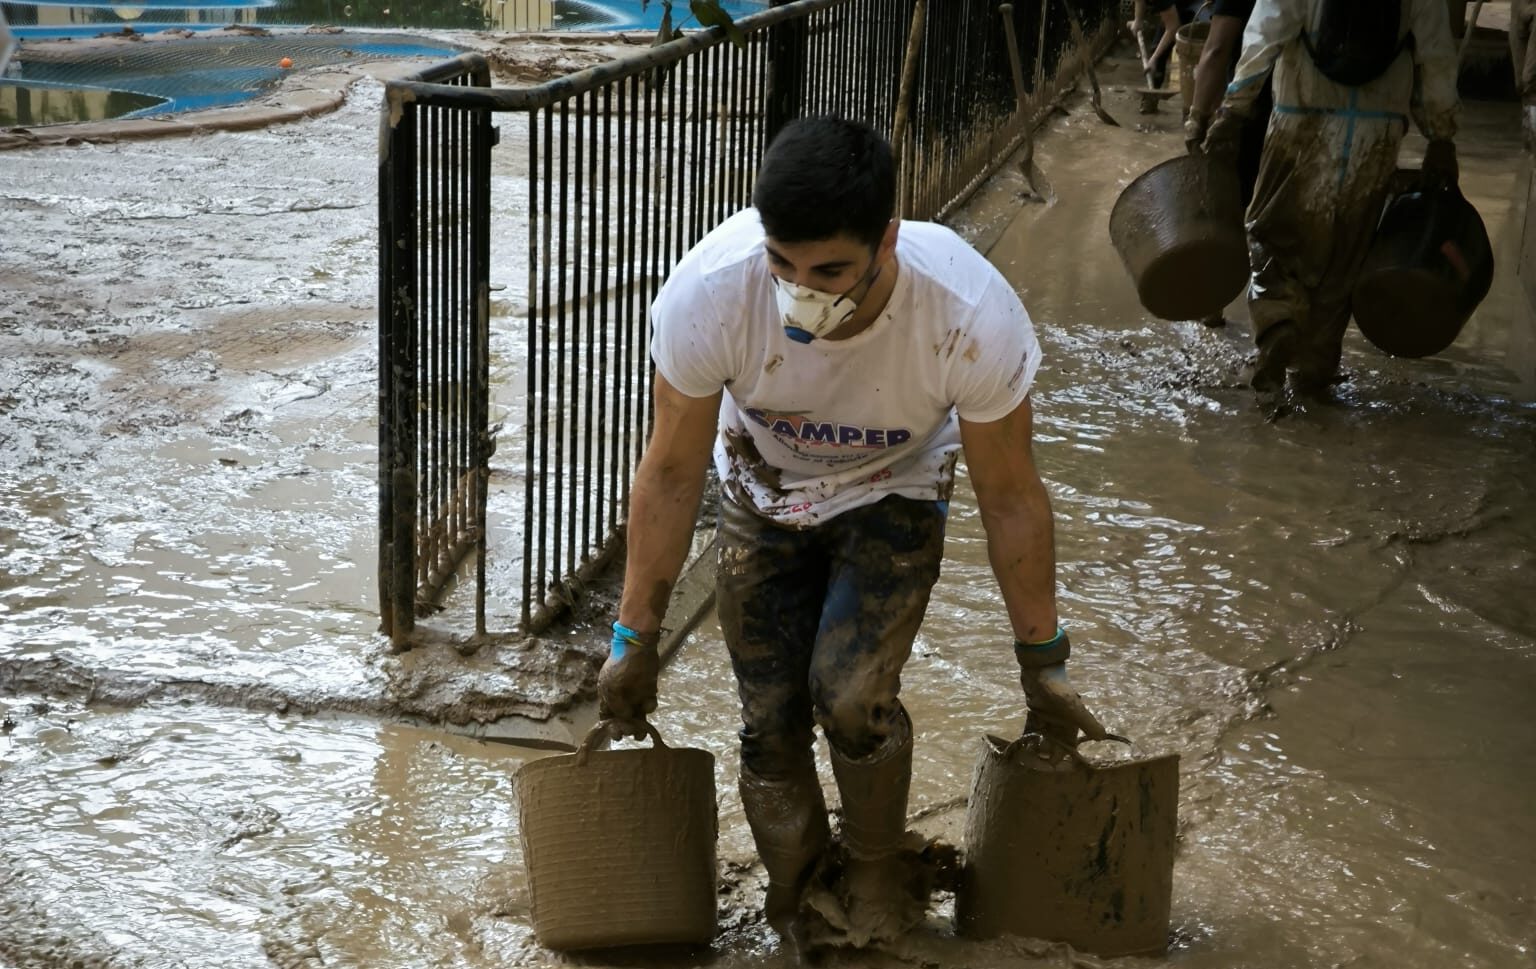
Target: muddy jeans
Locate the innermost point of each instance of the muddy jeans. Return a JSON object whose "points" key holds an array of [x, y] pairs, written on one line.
{"points": [[819, 622]]}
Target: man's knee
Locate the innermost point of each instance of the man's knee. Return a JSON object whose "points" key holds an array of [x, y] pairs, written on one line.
{"points": [[857, 718]]}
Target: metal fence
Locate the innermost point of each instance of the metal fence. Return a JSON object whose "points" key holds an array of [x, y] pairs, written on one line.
{"points": [[628, 165], [434, 325]]}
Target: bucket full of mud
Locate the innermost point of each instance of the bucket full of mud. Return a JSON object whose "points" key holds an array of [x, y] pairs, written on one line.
{"points": [[1428, 268], [1178, 227], [1069, 850], [620, 844]]}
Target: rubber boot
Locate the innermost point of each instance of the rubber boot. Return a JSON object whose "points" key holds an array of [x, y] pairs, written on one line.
{"points": [[788, 819], [879, 890], [1276, 347]]}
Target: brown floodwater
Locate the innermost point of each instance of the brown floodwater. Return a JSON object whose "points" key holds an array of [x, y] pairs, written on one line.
{"points": [[1329, 617]]}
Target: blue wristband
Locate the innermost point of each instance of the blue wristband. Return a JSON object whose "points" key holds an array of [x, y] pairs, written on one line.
{"points": [[1052, 651], [623, 638], [1047, 643]]}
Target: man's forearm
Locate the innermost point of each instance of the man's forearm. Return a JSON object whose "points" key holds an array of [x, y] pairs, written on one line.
{"points": [[1211, 72], [663, 509], [1021, 548]]}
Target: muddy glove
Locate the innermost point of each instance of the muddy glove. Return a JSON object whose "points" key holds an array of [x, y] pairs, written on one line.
{"points": [[626, 686], [1225, 138], [1195, 129], [1439, 168], [1055, 709]]}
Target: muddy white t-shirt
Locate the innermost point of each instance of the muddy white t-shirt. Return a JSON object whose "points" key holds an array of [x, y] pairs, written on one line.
{"points": [[808, 431]]}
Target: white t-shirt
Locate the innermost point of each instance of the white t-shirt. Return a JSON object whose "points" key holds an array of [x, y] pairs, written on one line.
{"points": [[808, 431]]}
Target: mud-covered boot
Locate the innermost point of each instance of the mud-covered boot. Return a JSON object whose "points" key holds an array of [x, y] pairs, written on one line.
{"points": [[788, 819], [1277, 347], [881, 889]]}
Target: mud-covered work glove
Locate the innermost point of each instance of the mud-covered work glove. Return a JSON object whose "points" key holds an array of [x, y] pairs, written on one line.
{"points": [[626, 685], [1440, 168], [1055, 710], [1196, 126], [1224, 138]]}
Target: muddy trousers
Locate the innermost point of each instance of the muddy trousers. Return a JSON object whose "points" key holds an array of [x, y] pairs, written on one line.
{"points": [[1322, 183], [819, 623]]}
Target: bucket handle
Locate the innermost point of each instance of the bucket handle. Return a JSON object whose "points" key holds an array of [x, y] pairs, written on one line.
{"points": [[1069, 750], [612, 729]]}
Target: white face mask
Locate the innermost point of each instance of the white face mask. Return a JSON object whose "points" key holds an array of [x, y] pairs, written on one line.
{"points": [[809, 313]]}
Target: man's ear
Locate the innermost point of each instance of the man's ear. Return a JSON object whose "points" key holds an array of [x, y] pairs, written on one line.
{"points": [[888, 241]]}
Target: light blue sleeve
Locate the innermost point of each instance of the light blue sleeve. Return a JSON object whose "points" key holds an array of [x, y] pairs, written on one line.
{"points": [[1274, 24]]}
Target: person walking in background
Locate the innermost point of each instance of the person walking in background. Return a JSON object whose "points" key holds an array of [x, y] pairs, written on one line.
{"points": [[1217, 64], [1214, 71], [1347, 76], [834, 360], [1171, 14]]}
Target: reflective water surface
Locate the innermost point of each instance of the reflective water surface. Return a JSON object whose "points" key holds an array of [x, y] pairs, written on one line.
{"points": [[1328, 617]]}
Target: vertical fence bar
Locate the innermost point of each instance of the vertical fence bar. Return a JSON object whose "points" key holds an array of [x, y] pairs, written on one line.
{"points": [[480, 358], [613, 290], [571, 306], [591, 471], [542, 362]]}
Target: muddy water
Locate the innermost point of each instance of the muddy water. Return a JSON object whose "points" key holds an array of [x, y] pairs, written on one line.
{"points": [[1328, 616]]}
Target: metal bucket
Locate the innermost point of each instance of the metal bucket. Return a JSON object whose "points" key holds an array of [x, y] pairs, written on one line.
{"points": [[620, 844], [1188, 42], [1178, 227], [1428, 268], [1070, 852]]}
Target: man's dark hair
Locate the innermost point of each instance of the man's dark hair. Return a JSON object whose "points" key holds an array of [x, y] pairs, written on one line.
{"points": [[825, 176]]}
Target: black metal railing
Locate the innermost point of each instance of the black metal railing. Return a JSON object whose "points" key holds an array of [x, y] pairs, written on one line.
{"points": [[434, 323], [628, 165]]}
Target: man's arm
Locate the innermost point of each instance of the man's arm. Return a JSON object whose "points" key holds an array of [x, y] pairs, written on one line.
{"points": [[1435, 68], [664, 503], [1016, 511], [1169, 16], [1224, 40]]}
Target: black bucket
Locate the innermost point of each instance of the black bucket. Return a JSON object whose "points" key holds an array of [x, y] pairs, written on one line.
{"points": [[1429, 267]]}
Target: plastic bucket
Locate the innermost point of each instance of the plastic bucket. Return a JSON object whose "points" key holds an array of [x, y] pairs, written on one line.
{"points": [[620, 844], [1178, 228], [1070, 852], [1428, 268], [1188, 42]]}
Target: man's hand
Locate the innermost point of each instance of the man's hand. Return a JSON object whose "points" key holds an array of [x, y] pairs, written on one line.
{"points": [[626, 686], [1055, 709], [1440, 168], [1225, 138], [1196, 127]]}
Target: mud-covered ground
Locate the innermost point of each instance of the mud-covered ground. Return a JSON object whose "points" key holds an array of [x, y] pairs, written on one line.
{"points": [[209, 757]]}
